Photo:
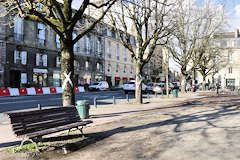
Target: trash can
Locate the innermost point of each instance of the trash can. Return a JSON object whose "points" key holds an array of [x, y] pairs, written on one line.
{"points": [[206, 87], [175, 93], [83, 108]]}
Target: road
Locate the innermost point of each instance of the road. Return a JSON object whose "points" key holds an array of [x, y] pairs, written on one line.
{"points": [[27, 102]]}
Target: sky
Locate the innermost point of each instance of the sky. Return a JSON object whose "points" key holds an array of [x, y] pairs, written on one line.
{"points": [[232, 7]]}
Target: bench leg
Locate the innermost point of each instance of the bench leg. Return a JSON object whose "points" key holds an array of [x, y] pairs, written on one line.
{"points": [[69, 132], [81, 130], [30, 140]]}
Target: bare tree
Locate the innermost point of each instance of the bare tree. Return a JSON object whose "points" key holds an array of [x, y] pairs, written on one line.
{"points": [[194, 24], [63, 20], [150, 20], [211, 59]]}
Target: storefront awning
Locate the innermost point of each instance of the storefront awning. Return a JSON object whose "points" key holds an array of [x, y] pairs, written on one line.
{"points": [[131, 79], [117, 78], [125, 78]]}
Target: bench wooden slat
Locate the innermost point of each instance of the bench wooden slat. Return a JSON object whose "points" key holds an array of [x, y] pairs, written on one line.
{"points": [[42, 127], [30, 120], [37, 112], [27, 122], [57, 129]]}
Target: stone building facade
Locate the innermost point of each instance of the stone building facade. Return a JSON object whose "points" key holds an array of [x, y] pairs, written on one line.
{"points": [[119, 66], [30, 57], [228, 73]]}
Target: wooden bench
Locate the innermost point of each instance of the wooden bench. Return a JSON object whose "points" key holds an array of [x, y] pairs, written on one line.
{"points": [[32, 125]]}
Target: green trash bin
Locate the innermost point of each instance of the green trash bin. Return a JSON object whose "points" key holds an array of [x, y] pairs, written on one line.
{"points": [[206, 87], [83, 108], [175, 93]]}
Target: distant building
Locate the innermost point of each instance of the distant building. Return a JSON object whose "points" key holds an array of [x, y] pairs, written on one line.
{"points": [[119, 66], [228, 73]]}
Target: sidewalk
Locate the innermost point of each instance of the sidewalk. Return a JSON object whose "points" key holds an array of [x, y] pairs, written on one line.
{"points": [[102, 114]]}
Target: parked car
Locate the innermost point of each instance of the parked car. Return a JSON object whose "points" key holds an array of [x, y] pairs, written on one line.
{"points": [[161, 88], [100, 85], [131, 87], [150, 87]]}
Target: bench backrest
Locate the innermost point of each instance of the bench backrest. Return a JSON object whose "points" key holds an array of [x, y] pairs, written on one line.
{"points": [[36, 120]]}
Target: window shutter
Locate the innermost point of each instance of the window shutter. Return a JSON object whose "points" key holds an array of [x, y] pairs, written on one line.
{"points": [[37, 59], [24, 57], [44, 57]]}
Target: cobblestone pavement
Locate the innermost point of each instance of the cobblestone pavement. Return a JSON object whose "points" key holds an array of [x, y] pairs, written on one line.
{"points": [[197, 129]]}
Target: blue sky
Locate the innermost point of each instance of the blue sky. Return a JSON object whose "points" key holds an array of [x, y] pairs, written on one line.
{"points": [[232, 8]]}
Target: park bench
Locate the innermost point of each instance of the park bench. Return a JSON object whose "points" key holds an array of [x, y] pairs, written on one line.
{"points": [[32, 125]]}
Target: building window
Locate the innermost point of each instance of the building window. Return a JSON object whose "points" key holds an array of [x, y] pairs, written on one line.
{"points": [[18, 29], [75, 46], [88, 45], [109, 68], [230, 58], [109, 49], [125, 54], [86, 65], [131, 70], [58, 61], [230, 44], [117, 51], [41, 60], [58, 41], [76, 65], [99, 47], [99, 67], [20, 57], [125, 69], [41, 34], [108, 33], [230, 70], [117, 67]]}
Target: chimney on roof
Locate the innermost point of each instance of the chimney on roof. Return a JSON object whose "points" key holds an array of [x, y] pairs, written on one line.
{"points": [[236, 35]]}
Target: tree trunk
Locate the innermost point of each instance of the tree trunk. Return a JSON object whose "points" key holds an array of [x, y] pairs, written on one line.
{"points": [[67, 70], [184, 84], [204, 83], [138, 91]]}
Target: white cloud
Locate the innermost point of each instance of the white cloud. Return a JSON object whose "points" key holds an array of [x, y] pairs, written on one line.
{"points": [[237, 10]]}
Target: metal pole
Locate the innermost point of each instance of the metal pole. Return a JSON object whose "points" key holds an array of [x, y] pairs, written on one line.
{"points": [[95, 102], [155, 94], [114, 100], [39, 107], [148, 95], [127, 96]]}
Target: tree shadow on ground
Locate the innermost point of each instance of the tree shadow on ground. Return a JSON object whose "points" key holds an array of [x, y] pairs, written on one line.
{"points": [[210, 117], [214, 110]]}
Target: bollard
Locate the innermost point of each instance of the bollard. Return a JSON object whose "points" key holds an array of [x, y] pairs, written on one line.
{"points": [[148, 96], [127, 96], [155, 94], [39, 107], [95, 102], [114, 100]]}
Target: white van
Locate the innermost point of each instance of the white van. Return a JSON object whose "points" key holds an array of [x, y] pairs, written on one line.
{"points": [[100, 85]]}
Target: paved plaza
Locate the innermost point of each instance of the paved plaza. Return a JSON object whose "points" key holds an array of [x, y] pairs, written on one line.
{"points": [[193, 126]]}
